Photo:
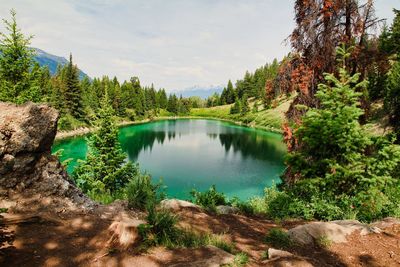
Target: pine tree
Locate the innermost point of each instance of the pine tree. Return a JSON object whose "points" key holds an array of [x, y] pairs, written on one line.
{"points": [[245, 105], [73, 93], [172, 105], [16, 60], [236, 108], [105, 169], [392, 100], [230, 93], [162, 98]]}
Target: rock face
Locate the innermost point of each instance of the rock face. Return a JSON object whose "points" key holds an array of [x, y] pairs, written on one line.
{"points": [[26, 165]]}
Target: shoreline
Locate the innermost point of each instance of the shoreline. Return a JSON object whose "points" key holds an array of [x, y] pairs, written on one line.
{"points": [[61, 135]]}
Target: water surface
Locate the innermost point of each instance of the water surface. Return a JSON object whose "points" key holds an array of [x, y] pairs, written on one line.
{"points": [[195, 153]]}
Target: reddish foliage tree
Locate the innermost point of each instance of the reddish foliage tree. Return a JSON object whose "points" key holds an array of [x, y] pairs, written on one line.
{"points": [[321, 25]]}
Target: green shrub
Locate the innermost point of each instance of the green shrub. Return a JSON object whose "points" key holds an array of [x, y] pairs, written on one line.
{"points": [[323, 241], [160, 228], [253, 206], [208, 199], [241, 259], [278, 238], [141, 192]]}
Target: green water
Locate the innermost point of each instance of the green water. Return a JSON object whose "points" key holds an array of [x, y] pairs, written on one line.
{"points": [[195, 153]]}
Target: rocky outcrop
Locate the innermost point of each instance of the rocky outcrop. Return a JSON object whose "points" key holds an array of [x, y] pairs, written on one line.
{"points": [[334, 231], [26, 165]]}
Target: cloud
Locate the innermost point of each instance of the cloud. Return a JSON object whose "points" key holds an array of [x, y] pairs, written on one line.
{"points": [[174, 44]]}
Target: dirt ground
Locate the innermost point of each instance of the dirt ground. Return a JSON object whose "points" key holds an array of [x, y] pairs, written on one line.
{"points": [[64, 237]]}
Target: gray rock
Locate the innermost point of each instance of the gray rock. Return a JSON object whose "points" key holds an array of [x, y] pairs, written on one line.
{"points": [[222, 209], [177, 204], [335, 231]]}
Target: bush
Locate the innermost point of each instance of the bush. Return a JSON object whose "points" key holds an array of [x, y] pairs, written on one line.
{"points": [[209, 199], [278, 238], [160, 228], [140, 192], [253, 206]]}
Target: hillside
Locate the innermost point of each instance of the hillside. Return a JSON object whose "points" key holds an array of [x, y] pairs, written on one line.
{"points": [[267, 119], [52, 61]]}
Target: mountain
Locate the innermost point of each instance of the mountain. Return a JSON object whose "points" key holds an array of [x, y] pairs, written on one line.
{"points": [[52, 61], [200, 91]]}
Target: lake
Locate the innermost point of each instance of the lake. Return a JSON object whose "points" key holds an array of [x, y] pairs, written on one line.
{"points": [[197, 153]]}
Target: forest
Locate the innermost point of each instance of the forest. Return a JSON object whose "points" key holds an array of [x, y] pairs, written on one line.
{"points": [[341, 76]]}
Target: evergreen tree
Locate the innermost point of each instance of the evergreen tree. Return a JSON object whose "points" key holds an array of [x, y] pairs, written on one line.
{"points": [[162, 98], [172, 105], [104, 170], [392, 100], [73, 93], [16, 60], [245, 105], [236, 108], [230, 93]]}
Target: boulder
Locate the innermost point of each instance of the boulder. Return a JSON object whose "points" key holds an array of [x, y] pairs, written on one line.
{"points": [[26, 165], [176, 205], [334, 231], [283, 258], [222, 209]]}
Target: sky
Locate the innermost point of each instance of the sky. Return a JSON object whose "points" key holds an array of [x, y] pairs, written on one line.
{"points": [[174, 44]]}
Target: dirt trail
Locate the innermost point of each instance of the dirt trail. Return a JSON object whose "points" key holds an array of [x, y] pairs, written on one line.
{"points": [[61, 237]]}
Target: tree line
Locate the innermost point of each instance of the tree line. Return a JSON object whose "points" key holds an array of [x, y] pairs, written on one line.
{"points": [[78, 100]]}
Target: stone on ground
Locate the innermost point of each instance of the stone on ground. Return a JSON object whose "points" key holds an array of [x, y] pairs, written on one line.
{"points": [[334, 231], [176, 204], [222, 209]]}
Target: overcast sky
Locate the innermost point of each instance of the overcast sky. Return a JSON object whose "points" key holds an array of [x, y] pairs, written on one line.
{"points": [[174, 44]]}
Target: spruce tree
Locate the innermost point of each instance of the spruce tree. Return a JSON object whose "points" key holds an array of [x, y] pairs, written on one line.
{"points": [[230, 93], [172, 105], [245, 105], [16, 60], [73, 93], [392, 100], [105, 169], [236, 108]]}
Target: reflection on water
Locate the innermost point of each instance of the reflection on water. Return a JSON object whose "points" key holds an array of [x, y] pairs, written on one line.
{"points": [[198, 153], [251, 144]]}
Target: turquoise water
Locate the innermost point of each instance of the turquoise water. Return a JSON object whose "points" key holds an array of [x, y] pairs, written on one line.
{"points": [[195, 153]]}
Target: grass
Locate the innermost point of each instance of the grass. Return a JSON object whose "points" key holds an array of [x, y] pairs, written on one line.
{"points": [[323, 242], [241, 259], [267, 119], [278, 238]]}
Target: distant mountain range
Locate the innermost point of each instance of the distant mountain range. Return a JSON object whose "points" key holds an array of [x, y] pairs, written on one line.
{"points": [[52, 61], [201, 91]]}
